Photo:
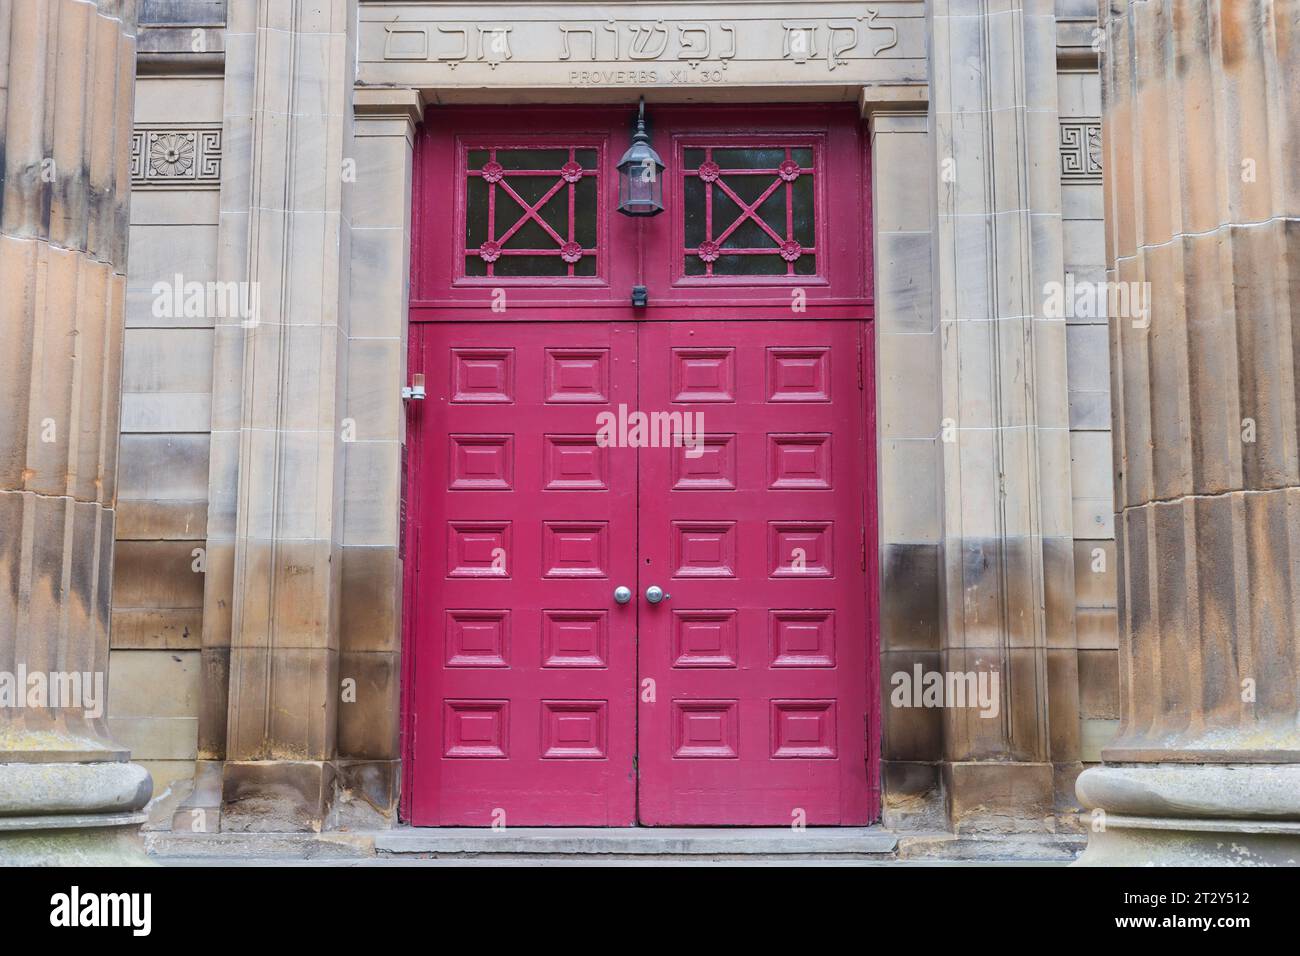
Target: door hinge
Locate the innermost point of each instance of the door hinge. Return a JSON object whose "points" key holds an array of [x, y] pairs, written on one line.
{"points": [[859, 361], [863, 542], [636, 769]]}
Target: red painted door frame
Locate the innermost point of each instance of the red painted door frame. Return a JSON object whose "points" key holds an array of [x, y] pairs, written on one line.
{"points": [[437, 295]]}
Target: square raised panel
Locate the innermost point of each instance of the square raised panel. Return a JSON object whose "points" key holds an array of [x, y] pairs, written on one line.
{"points": [[704, 375], [799, 549], [803, 638], [478, 638], [575, 638], [704, 549], [705, 729], [573, 729], [483, 375], [798, 375], [574, 549], [710, 466], [481, 463], [574, 463], [803, 728], [577, 376], [704, 639], [478, 549], [799, 462], [475, 728]]}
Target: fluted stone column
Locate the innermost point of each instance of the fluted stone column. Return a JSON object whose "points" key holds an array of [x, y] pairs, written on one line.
{"points": [[67, 74], [280, 395], [1201, 102], [1008, 551]]}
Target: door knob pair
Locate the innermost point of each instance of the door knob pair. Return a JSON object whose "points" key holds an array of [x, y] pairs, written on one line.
{"points": [[654, 594]]}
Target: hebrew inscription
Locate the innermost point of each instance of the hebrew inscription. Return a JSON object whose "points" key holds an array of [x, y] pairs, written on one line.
{"points": [[435, 45]]}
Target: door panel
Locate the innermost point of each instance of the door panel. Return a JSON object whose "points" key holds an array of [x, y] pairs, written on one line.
{"points": [[524, 675], [759, 655]]}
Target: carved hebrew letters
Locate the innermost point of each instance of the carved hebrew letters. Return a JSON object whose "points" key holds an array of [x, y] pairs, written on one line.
{"points": [[688, 50], [625, 44], [643, 41], [695, 41], [566, 29], [800, 43]]}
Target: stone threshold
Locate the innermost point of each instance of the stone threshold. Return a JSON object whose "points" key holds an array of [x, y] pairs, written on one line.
{"points": [[595, 845]]}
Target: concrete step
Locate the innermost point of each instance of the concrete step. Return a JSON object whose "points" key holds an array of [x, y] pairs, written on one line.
{"points": [[860, 842], [557, 843], [544, 846]]}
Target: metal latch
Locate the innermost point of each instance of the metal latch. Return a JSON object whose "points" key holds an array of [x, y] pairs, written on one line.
{"points": [[414, 391]]}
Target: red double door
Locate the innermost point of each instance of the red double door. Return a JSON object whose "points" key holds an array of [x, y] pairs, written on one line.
{"points": [[723, 463]]}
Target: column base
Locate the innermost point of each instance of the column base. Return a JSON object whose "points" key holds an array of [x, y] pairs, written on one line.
{"points": [[72, 814], [1171, 841], [1179, 814], [73, 840]]}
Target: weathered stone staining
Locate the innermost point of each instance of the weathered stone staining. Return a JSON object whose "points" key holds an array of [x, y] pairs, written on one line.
{"points": [[1206, 766], [68, 795]]}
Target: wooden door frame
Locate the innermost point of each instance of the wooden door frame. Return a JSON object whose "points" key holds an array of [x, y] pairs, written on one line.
{"points": [[424, 311]]}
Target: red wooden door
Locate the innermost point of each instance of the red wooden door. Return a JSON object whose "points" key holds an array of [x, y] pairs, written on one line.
{"points": [[532, 697], [753, 669], [524, 677]]}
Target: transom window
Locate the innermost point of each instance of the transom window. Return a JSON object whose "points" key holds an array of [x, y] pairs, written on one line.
{"points": [[532, 212], [749, 211]]}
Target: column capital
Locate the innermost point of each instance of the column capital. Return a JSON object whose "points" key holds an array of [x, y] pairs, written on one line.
{"points": [[387, 112], [877, 98]]}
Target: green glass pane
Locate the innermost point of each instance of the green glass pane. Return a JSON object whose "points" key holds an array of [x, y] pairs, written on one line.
{"points": [[749, 234], [805, 265], [531, 235], [692, 158], [802, 156], [476, 209], [586, 266], [476, 158], [693, 209], [749, 188], [749, 266], [532, 158], [474, 266], [587, 158], [556, 212], [749, 158], [801, 191], [694, 265], [585, 202], [514, 266]]}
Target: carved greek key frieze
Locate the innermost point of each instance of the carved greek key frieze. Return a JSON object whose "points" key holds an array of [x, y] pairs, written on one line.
{"points": [[177, 157], [1081, 150]]}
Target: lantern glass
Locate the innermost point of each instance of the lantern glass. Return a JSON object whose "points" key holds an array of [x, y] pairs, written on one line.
{"points": [[640, 175]]}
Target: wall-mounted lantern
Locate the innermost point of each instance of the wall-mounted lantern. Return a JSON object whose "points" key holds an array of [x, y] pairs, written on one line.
{"points": [[640, 174]]}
